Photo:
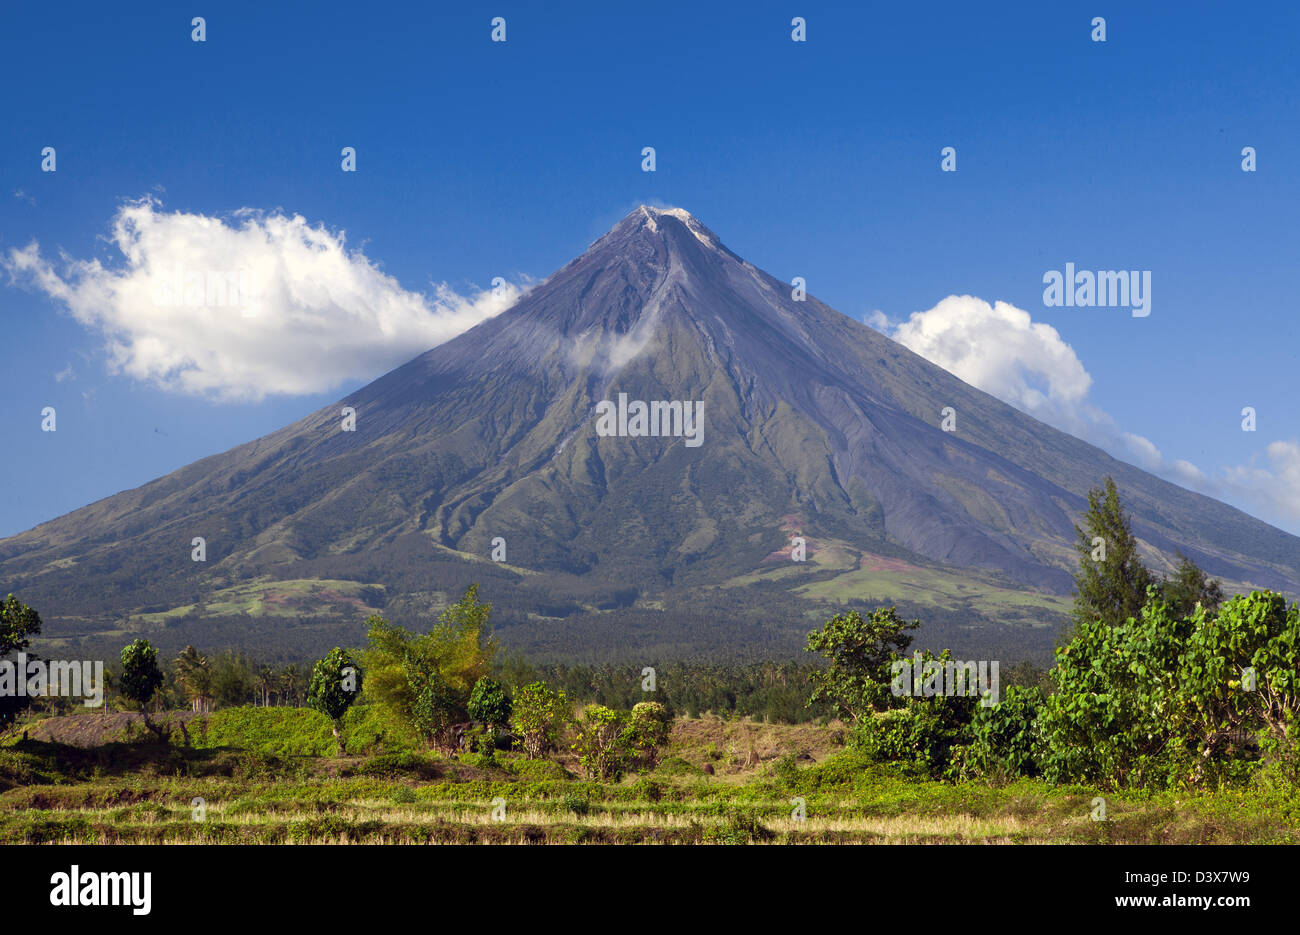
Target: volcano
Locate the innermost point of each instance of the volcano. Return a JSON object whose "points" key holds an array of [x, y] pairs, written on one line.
{"points": [[821, 475]]}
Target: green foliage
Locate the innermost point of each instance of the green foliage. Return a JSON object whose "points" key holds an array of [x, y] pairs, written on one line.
{"points": [[539, 717], [602, 742], [921, 734], [436, 707], [18, 624], [490, 706], [1004, 737], [335, 684], [739, 828], [274, 731], [1109, 721], [772, 691], [578, 805], [860, 651], [648, 730], [1188, 587], [1239, 677], [426, 679], [140, 673], [194, 675], [1114, 588], [233, 681]]}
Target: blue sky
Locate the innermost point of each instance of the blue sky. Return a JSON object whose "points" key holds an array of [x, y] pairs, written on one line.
{"points": [[819, 159]]}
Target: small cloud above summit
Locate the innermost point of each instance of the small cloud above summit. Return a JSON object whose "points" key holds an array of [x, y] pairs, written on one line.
{"points": [[247, 306]]}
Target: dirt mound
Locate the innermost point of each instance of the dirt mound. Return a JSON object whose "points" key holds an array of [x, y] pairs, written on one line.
{"points": [[92, 730]]}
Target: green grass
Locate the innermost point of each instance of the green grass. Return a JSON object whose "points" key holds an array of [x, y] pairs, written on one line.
{"points": [[263, 779], [264, 597], [299, 731]]}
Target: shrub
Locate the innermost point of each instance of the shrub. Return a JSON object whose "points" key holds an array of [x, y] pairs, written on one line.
{"points": [[602, 743], [539, 717], [490, 706], [1004, 738], [648, 730]]}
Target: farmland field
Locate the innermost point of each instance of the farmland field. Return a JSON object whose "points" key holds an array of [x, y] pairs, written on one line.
{"points": [[271, 775]]}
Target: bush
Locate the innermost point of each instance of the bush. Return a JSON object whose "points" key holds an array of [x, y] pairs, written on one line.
{"points": [[1004, 738], [540, 716], [921, 734], [648, 730], [576, 804], [602, 742]]}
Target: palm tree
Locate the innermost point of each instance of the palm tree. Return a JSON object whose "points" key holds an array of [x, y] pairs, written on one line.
{"points": [[267, 684], [195, 676], [290, 680]]}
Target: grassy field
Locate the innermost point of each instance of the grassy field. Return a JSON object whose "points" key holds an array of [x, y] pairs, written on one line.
{"points": [[269, 775]]}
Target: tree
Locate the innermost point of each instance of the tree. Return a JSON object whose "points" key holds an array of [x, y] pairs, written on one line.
{"points": [[195, 677], [648, 730], [233, 680], [436, 706], [425, 680], [268, 684], [141, 678], [335, 684], [601, 743], [1004, 738], [539, 717], [1239, 675], [1111, 584], [490, 706], [290, 681], [18, 623], [860, 651], [1188, 587]]}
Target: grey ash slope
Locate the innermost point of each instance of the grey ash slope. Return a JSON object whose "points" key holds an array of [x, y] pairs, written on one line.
{"points": [[813, 422]]}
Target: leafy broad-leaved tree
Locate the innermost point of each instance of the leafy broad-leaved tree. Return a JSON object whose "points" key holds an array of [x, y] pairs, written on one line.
{"points": [[141, 679], [856, 682], [335, 684]]}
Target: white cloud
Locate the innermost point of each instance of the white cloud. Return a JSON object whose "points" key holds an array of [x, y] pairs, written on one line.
{"points": [[248, 306], [1001, 350], [1274, 488], [878, 320]]}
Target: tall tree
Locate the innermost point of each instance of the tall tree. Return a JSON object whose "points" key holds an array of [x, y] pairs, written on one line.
{"points": [[290, 681], [425, 680], [1111, 584], [195, 677], [1190, 586], [141, 679], [18, 624]]}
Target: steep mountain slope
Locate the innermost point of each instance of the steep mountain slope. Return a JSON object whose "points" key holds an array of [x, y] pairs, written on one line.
{"points": [[813, 424]]}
